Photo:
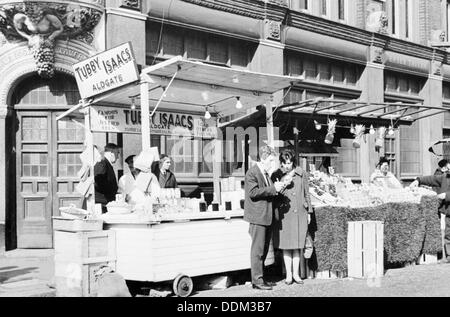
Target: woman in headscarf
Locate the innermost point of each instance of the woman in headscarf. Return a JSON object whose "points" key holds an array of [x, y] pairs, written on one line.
{"points": [[292, 214]]}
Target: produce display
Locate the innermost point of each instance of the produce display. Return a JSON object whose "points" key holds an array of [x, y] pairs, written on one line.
{"points": [[335, 190]]}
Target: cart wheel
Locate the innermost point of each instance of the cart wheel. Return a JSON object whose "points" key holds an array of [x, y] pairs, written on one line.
{"points": [[183, 286]]}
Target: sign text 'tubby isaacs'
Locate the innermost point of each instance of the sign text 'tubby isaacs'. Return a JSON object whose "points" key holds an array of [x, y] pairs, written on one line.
{"points": [[106, 71]]}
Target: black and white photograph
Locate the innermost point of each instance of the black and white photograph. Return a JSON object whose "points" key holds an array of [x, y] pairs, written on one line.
{"points": [[225, 153]]}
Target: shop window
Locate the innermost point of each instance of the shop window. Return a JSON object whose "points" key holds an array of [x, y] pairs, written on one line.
{"points": [[173, 44], [338, 73], [446, 146], [181, 150], [389, 152], [410, 150], [324, 71], [206, 157], [239, 54], [195, 46], [341, 10], [347, 163], [310, 69], [34, 164], [403, 84], [299, 5], [218, 51], [294, 66]]}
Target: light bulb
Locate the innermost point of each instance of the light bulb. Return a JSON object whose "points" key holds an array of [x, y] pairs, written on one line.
{"points": [[391, 131], [352, 129], [372, 130], [317, 125], [207, 115], [238, 103], [133, 105]]}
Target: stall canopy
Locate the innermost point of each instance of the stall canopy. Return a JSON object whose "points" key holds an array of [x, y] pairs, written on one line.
{"points": [[184, 85], [382, 113]]}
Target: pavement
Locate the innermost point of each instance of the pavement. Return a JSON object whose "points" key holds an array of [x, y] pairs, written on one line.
{"points": [[29, 273]]}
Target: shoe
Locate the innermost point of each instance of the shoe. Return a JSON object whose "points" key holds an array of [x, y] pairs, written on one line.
{"points": [[262, 287], [300, 281], [288, 282], [271, 284]]}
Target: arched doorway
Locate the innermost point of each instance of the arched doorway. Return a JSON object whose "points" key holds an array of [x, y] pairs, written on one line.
{"points": [[47, 155]]}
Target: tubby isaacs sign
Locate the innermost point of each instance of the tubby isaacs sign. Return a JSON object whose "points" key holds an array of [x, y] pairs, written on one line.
{"points": [[106, 71], [125, 120]]}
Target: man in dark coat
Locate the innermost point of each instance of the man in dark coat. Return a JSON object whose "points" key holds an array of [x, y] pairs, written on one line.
{"points": [[105, 178], [162, 171], [442, 183], [259, 194]]}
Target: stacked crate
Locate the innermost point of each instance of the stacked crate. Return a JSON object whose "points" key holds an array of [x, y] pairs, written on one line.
{"points": [[77, 257], [365, 249]]}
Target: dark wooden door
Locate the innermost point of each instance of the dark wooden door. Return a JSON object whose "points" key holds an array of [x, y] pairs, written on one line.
{"points": [[47, 165], [34, 181]]}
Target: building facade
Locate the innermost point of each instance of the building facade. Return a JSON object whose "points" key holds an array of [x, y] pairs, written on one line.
{"points": [[369, 50]]}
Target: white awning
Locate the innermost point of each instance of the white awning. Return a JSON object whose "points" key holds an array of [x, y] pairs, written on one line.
{"points": [[197, 85]]}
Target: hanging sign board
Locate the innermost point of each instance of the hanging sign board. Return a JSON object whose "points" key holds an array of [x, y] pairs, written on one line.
{"points": [[125, 120], [106, 71]]}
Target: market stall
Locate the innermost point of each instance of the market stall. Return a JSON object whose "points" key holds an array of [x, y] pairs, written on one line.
{"points": [[410, 218], [169, 237]]}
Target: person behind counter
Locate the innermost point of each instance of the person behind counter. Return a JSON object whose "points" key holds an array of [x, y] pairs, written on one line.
{"points": [[146, 183], [127, 181], [292, 214], [383, 177], [162, 171], [105, 178]]}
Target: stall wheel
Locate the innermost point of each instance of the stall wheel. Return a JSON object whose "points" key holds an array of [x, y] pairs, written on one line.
{"points": [[183, 285]]}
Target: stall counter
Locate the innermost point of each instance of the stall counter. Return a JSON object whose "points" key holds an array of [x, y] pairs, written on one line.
{"points": [[192, 245]]}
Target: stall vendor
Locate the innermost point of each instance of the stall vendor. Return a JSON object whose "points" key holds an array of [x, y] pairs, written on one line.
{"points": [[165, 177], [383, 177], [146, 183], [127, 181]]}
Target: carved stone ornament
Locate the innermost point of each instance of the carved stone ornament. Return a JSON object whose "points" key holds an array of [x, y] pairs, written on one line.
{"points": [[438, 35], [436, 68], [376, 54], [131, 4], [41, 23], [272, 30], [377, 22]]}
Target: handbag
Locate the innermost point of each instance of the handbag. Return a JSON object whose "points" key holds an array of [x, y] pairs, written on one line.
{"points": [[309, 246]]}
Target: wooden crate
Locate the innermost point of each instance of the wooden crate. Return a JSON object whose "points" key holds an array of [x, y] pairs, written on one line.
{"points": [[76, 279], [426, 259], [77, 256], [76, 225], [365, 249]]}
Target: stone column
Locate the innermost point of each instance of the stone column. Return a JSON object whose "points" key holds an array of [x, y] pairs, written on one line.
{"points": [[269, 58], [3, 238], [431, 127], [127, 24], [372, 87]]}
